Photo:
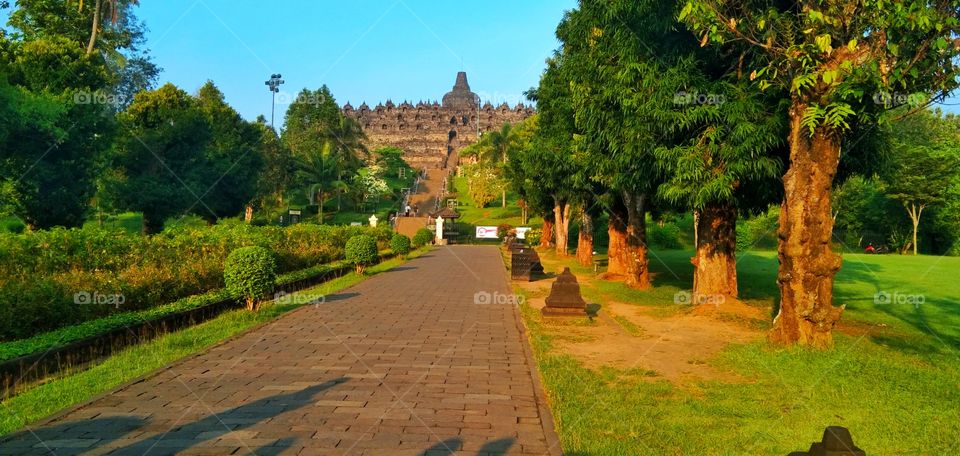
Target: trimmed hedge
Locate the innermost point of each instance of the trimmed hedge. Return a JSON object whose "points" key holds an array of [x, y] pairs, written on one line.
{"points": [[250, 273], [422, 238], [41, 272], [400, 244], [361, 251]]}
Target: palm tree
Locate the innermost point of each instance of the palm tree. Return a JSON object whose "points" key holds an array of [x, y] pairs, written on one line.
{"points": [[500, 144], [98, 9], [346, 147], [318, 172]]}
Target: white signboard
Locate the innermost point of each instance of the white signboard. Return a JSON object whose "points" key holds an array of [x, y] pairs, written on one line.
{"points": [[487, 232], [522, 232]]}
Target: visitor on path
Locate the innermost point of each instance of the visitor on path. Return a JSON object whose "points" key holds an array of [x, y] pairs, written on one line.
{"points": [[407, 213]]}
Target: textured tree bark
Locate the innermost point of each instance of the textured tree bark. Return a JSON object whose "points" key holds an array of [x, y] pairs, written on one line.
{"points": [[96, 27], [807, 262], [638, 264], [561, 216], [715, 263], [585, 240], [617, 255], [546, 238]]}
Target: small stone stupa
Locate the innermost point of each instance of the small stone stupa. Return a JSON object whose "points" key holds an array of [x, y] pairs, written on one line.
{"points": [[565, 298]]}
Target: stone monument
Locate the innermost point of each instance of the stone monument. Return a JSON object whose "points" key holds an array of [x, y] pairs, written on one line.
{"points": [[837, 441], [565, 298]]}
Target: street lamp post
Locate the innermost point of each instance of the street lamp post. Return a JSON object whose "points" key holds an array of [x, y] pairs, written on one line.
{"points": [[274, 85]]}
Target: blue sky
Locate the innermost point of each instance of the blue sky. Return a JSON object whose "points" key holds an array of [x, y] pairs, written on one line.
{"points": [[364, 50]]}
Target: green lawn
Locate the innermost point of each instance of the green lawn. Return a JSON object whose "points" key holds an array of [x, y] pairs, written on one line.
{"points": [[895, 383], [44, 400], [492, 215]]}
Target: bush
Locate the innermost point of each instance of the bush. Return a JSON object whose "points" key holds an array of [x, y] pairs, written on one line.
{"points": [[422, 238], [400, 244], [41, 271], [533, 237], [666, 237], [362, 251], [250, 273], [503, 230], [13, 225]]}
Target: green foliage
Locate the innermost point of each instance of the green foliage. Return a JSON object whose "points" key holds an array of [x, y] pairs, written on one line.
{"points": [[64, 336], [250, 273], [533, 236], [484, 184], [665, 237], [361, 251], [400, 244], [41, 271], [422, 238]]}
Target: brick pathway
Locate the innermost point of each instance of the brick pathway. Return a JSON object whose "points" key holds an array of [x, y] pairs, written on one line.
{"points": [[404, 363]]}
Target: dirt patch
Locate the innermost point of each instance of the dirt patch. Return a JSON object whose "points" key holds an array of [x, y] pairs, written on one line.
{"points": [[626, 336]]}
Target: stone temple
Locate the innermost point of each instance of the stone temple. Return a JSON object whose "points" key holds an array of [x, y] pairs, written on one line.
{"points": [[432, 134]]}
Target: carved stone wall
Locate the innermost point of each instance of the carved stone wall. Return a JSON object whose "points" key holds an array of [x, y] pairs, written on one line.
{"points": [[429, 132]]}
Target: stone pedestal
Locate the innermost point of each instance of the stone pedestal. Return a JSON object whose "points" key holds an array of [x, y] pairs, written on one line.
{"points": [[565, 298]]}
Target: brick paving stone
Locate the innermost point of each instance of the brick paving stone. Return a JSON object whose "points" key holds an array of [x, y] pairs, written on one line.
{"points": [[403, 363]]}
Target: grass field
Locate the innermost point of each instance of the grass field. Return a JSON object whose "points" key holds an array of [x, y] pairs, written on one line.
{"points": [[893, 377], [60, 393]]}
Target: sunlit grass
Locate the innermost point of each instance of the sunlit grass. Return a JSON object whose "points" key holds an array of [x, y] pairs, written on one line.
{"points": [[895, 385]]}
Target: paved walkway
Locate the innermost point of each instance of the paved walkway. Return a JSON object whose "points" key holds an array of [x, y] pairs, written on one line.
{"points": [[404, 363]]}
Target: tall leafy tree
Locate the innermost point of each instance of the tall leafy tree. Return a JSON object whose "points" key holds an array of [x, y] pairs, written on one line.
{"points": [[278, 166], [830, 58], [161, 157], [233, 156], [925, 164], [318, 172]]}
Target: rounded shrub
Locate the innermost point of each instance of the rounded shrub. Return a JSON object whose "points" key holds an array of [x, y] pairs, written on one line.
{"points": [[362, 251], [400, 244], [422, 238], [250, 273]]}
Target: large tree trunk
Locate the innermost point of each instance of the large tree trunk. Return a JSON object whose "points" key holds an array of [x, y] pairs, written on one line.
{"points": [[546, 238], [807, 262], [585, 240], [561, 216], [617, 255], [715, 263], [96, 27], [638, 265]]}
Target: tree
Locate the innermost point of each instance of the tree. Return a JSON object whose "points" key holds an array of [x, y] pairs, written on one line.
{"points": [[317, 171], [278, 166], [309, 120], [830, 59], [619, 57], [161, 157], [721, 170], [500, 144], [346, 138], [233, 155], [924, 166]]}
